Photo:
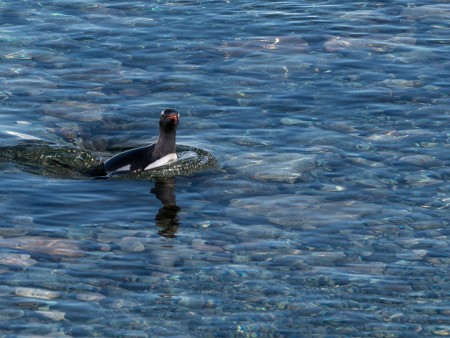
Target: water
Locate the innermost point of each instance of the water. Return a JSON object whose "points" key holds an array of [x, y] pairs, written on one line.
{"points": [[327, 217]]}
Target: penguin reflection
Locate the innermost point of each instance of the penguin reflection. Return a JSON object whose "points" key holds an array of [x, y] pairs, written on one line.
{"points": [[167, 217]]}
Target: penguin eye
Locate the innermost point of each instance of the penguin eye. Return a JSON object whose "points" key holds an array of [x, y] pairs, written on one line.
{"points": [[162, 115]]}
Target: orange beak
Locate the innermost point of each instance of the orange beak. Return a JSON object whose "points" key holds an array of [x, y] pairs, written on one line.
{"points": [[173, 117]]}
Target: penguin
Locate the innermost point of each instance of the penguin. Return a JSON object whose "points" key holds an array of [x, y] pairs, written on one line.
{"points": [[152, 156]]}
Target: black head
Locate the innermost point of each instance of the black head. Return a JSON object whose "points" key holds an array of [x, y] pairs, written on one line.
{"points": [[169, 120]]}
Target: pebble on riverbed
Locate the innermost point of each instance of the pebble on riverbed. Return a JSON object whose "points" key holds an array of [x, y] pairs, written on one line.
{"points": [[36, 293], [54, 315], [16, 259], [131, 244], [75, 111], [50, 246], [284, 167], [303, 211]]}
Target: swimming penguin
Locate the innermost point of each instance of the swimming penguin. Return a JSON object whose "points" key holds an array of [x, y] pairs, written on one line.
{"points": [[148, 157]]}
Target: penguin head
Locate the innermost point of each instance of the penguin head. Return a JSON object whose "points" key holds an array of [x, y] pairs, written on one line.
{"points": [[169, 120]]}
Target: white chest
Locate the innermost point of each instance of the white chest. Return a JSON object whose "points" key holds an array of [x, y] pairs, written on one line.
{"points": [[162, 161]]}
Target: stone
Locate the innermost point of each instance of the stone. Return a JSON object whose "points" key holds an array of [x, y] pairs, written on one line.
{"points": [[36, 293], [57, 316], [16, 259], [50, 246], [131, 244]]}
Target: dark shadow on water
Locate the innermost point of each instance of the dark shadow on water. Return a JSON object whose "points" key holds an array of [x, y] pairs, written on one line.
{"points": [[167, 217]]}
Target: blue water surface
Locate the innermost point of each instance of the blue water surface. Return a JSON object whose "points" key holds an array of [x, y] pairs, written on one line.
{"points": [[328, 215]]}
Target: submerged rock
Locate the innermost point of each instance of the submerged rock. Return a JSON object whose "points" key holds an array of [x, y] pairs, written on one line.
{"points": [[90, 296], [50, 246], [75, 111], [419, 160], [9, 314], [36, 293], [57, 316], [131, 244], [16, 259], [421, 12], [303, 211], [284, 167]]}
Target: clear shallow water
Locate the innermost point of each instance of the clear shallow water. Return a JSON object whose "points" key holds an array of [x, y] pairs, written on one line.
{"points": [[329, 216]]}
